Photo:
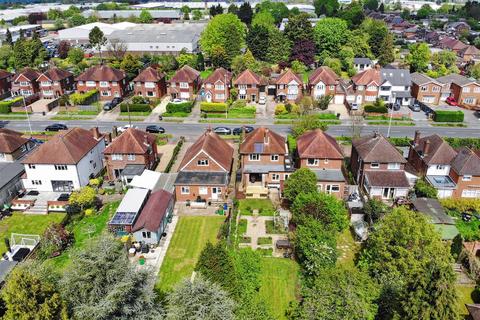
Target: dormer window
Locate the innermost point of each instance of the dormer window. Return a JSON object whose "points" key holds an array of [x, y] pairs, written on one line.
{"points": [[312, 162]]}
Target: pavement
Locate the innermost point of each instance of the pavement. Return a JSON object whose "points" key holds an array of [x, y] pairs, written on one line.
{"points": [[256, 229]]}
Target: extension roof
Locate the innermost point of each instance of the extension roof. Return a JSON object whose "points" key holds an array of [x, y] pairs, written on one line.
{"points": [[153, 212]]}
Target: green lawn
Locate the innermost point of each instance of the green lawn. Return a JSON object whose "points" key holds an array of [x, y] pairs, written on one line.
{"points": [[189, 238], [279, 284], [264, 207], [466, 295], [26, 224], [205, 73], [347, 248]]}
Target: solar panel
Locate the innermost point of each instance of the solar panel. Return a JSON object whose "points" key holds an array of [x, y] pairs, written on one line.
{"points": [[123, 218], [258, 147]]}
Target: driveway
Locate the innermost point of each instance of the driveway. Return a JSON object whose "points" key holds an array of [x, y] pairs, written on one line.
{"points": [[340, 108]]}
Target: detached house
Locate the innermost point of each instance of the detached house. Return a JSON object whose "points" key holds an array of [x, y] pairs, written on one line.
{"points": [[465, 91], [204, 173], [5, 83], [288, 86], [55, 83], [362, 64], [428, 90], [378, 167], [13, 145], [322, 82], [184, 84], [365, 86], [132, 149], [321, 153], [265, 162], [25, 83], [470, 53], [250, 86], [465, 172], [150, 83], [217, 86], [395, 86], [108, 81], [65, 162]]}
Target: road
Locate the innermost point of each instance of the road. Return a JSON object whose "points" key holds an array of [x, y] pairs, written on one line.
{"points": [[194, 130]]}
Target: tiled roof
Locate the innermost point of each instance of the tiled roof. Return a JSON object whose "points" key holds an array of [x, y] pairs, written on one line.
{"points": [[397, 77], [131, 141], [149, 74], [470, 50], [387, 178], [210, 143], [366, 77], [439, 151], [28, 73], [263, 141], [154, 212], [101, 73], [289, 76], [451, 43], [474, 310], [422, 79], [219, 74], [318, 144], [456, 79], [5, 74], [325, 75], [185, 74], [56, 74], [247, 77], [466, 162], [376, 148], [10, 140], [66, 147]]}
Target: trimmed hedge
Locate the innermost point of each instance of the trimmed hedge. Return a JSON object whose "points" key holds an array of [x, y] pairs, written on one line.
{"points": [[176, 150], [213, 107], [238, 104], [448, 116], [180, 107], [6, 106], [140, 107], [375, 109], [84, 98]]}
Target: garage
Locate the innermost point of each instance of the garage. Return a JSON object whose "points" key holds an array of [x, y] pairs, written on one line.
{"points": [[339, 98]]}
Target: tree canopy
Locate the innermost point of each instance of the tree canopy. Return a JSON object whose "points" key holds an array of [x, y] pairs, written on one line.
{"points": [[302, 180], [330, 34]]}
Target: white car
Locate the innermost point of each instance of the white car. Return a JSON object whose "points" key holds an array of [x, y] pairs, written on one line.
{"points": [[124, 128], [262, 100], [354, 106]]}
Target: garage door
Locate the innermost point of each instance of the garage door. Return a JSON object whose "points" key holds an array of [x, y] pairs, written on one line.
{"points": [[339, 99]]}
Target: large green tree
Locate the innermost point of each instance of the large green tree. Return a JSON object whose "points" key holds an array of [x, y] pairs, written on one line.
{"points": [[277, 9], [330, 35], [97, 38], [419, 57], [265, 19], [376, 30], [353, 14], [145, 16], [326, 7], [387, 50], [257, 41], [301, 181], [245, 13], [278, 47], [131, 65], [299, 28]]}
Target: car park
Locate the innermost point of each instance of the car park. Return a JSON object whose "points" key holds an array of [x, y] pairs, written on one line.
{"points": [[222, 130], [56, 127], [155, 129], [238, 131]]}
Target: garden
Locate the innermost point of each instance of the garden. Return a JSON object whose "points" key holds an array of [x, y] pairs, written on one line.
{"points": [[235, 110], [138, 108], [287, 113], [469, 228], [264, 207], [179, 110]]}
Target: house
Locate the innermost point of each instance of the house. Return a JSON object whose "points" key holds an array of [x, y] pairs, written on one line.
{"points": [[469, 53], [428, 90], [362, 64], [321, 153], [66, 162], [451, 44], [395, 86], [431, 157], [265, 162], [13, 145], [250, 86], [128, 211], [5, 83], [288, 86], [150, 83], [132, 147], [109, 82], [464, 90], [153, 218], [465, 172], [322, 82], [365, 86], [378, 167], [25, 82], [204, 173], [55, 82], [184, 84], [457, 27], [216, 88]]}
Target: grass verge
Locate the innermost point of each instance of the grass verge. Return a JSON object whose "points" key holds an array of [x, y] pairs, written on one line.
{"points": [[232, 121], [264, 207]]}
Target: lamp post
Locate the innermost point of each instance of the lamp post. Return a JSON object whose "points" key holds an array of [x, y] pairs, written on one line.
{"points": [[391, 116]]}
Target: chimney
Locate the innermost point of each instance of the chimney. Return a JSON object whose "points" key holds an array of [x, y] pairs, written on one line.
{"points": [[377, 66], [108, 137], [114, 132], [426, 148], [417, 138], [265, 136], [96, 133]]}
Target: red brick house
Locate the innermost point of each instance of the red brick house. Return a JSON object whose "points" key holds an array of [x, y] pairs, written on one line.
{"points": [[25, 82], [289, 86], [465, 91], [428, 90], [366, 86], [204, 173], [469, 53], [132, 147], [184, 84], [55, 82], [5, 83], [451, 44], [109, 82], [321, 153], [322, 82], [217, 86], [150, 83], [465, 172], [250, 86]]}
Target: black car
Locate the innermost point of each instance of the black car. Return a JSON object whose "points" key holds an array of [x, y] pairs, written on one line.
{"points": [[108, 106], [155, 129], [56, 127], [238, 131], [116, 101]]}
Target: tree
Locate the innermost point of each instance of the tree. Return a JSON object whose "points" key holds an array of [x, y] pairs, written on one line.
{"points": [[326, 7], [185, 9], [371, 4], [63, 48], [278, 47], [75, 55], [425, 190], [97, 38], [353, 14], [377, 30], [339, 293], [323, 102], [405, 15], [419, 57], [219, 57], [475, 71], [59, 24], [199, 299], [187, 59], [301, 181], [30, 293], [225, 31], [6, 57], [386, 52], [200, 62], [375, 210], [76, 20], [83, 198], [54, 14], [330, 35], [245, 13], [381, 8], [299, 28], [197, 14], [8, 38], [215, 10], [346, 56], [307, 122], [303, 51], [232, 8], [131, 65], [257, 41], [278, 10], [55, 239], [334, 64], [425, 11], [359, 44], [101, 283], [117, 48], [145, 16], [265, 19], [406, 255]]}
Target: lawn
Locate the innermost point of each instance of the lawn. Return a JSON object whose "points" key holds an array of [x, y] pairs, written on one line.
{"points": [[279, 284], [189, 238], [26, 224], [205, 73], [466, 295], [264, 207], [347, 248], [274, 229]]}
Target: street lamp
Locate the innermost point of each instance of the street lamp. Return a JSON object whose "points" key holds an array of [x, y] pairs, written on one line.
{"points": [[391, 116]]}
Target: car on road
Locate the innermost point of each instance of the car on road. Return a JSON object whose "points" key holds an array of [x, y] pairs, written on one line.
{"points": [[262, 100], [451, 101], [56, 127], [415, 107], [155, 129], [125, 127], [222, 130], [238, 131]]}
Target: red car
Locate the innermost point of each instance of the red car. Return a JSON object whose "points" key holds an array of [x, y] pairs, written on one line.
{"points": [[451, 101]]}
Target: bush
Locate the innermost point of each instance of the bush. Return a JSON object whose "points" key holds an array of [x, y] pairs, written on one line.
{"points": [[125, 107], [84, 98], [280, 109], [472, 143], [6, 106], [424, 190], [176, 150], [462, 204], [375, 109], [213, 107], [448, 116], [139, 100], [239, 104], [180, 107]]}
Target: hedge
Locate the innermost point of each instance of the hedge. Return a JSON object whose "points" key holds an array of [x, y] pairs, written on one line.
{"points": [[176, 150], [244, 110], [213, 107], [84, 98], [180, 107], [448, 116], [239, 104], [375, 109], [6, 106], [140, 107]]}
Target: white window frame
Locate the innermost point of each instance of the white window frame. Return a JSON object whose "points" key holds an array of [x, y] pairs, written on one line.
{"points": [[202, 191], [374, 165], [184, 85], [393, 166], [313, 163], [90, 83], [117, 156], [103, 84], [467, 178], [131, 157], [466, 89], [185, 190], [254, 157], [274, 157], [332, 188], [45, 83]]}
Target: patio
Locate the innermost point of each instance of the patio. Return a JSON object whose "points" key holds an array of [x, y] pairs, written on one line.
{"points": [[33, 202]]}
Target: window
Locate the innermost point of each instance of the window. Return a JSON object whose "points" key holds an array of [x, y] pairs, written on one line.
{"points": [[61, 167], [24, 83], [470, 193], [467, 178], [466, 89], [332, 87], [374, 165], [254, 157], [131, 157], [150, 94], [275, 177], [184, 85], [90, 83], [45, 83], [242, 86], [312, 162], [103, 84], [423, 88], [185, 190], [37, 182], [274, 157], [285, 177], [47, 92], [202, 190], [220, 96], [31, 166], [26, 92], [105, 93], [370, 98], [219, 87], [325, 161], [476, 89], [149, 85], [360, 88], [440, 167], [428, 99], [320, 86], [202, 162], [208, 85], [117, 156], [332, 188], [146, 234], [173, 84], [242, 96], [436, 89], [393, 166], [373, 88], [469, 100]]}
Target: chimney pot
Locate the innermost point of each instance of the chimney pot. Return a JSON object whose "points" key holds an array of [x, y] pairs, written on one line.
{"points": [[96, 133], [265, 137]]}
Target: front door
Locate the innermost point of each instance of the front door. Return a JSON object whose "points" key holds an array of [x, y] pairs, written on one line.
{"points": [[208, 97], [216, 192], [62, 186]]}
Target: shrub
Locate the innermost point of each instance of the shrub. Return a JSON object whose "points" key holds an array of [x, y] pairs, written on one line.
{"points": [[84, 98], [375, 109], [462, 204], [280, 109], [176, 150], [180, 107], [292, 143], [245, 110], [239, 104], [424, 189], [55, 239], [125, 107], [139, 100], [448, 116], [6, 106], [89, 212], [213, 107]]}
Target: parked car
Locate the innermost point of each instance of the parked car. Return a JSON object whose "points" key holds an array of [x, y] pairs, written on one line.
{"points": [[394, 106], [238, 131], [354, 106], [116, 101], [108, 106], [56, 127], [177, 101], [222, 130], [415, 107], [477, 114], [262, 100], [125, 127], [451, 101], [155, 129]]}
